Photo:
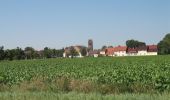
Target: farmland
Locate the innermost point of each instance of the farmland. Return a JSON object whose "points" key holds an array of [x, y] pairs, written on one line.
{"points": [[105, 75]]}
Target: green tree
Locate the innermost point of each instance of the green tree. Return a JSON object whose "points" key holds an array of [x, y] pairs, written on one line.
{"points": [[9, 54], [110, 46], [84, 51], [164, 45], [29, 52], [18, 53], [2, 53], [134, 43], [59, 53], [37, 55], [104, 47], [48, 52]]}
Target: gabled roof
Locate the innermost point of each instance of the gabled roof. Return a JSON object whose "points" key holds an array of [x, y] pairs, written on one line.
{"points": [[132, 50], [110, 51], [120, 48], [152, 48], [141, 48]]}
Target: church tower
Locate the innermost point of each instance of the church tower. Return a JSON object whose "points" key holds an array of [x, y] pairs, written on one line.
{"points": [[90, 45]]}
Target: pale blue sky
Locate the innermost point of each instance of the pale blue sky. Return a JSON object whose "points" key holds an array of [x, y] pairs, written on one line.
{"points": [[60, 23]]}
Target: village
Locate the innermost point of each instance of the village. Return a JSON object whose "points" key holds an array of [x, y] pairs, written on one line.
{"points": [[148, 50]]}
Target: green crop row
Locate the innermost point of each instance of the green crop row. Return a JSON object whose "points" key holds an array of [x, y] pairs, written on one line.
{"points": [[149, 70]]}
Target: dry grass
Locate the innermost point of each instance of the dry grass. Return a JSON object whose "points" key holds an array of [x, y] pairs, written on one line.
{"points": [[81, 86], [78, 96], [65, 84], [4, 87], [36, 84]]}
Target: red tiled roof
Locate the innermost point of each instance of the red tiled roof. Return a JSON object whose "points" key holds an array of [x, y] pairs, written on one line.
{"points": [[152, 48], [149, 48], [132, 50], [142, 48], [110, 51], [120, 48]]}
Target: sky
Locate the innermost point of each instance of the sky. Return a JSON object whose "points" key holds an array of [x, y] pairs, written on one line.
{"points": [[61, 23]]}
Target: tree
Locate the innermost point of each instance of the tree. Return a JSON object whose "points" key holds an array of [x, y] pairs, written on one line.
{"points": [[2, 53], [38, 55], [84, 51], [134, 43], [110, 46], [18, 53], [9, 54], [59, 53], [47, 52], [104, 47], [29, 52], [164, 45]]}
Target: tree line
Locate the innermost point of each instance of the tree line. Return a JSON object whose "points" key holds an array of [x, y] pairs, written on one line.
{"points": [[164, 45], [29, 53]]}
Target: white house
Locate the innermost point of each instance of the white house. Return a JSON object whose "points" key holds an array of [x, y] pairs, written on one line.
{"points": [[102, 52], [120, 51], [142, 51], [152, 50], [116, 51], [132, 52]]}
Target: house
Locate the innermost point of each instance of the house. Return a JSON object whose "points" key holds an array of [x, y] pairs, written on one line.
{"points": [[110, 52], [94, 53], [116, 51], [142, 51], [120, 51], [152, 50], [132, 51], [103, 52], [77, 48], [125, 51]]}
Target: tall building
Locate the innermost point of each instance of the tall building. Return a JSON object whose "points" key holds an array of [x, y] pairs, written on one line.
{"points": [[90, 45]]}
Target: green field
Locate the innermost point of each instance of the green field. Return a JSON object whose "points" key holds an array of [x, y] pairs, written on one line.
{"points": [[103, 75]]}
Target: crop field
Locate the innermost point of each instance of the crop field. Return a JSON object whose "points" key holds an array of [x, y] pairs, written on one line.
{"points": [[105, 75]]}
